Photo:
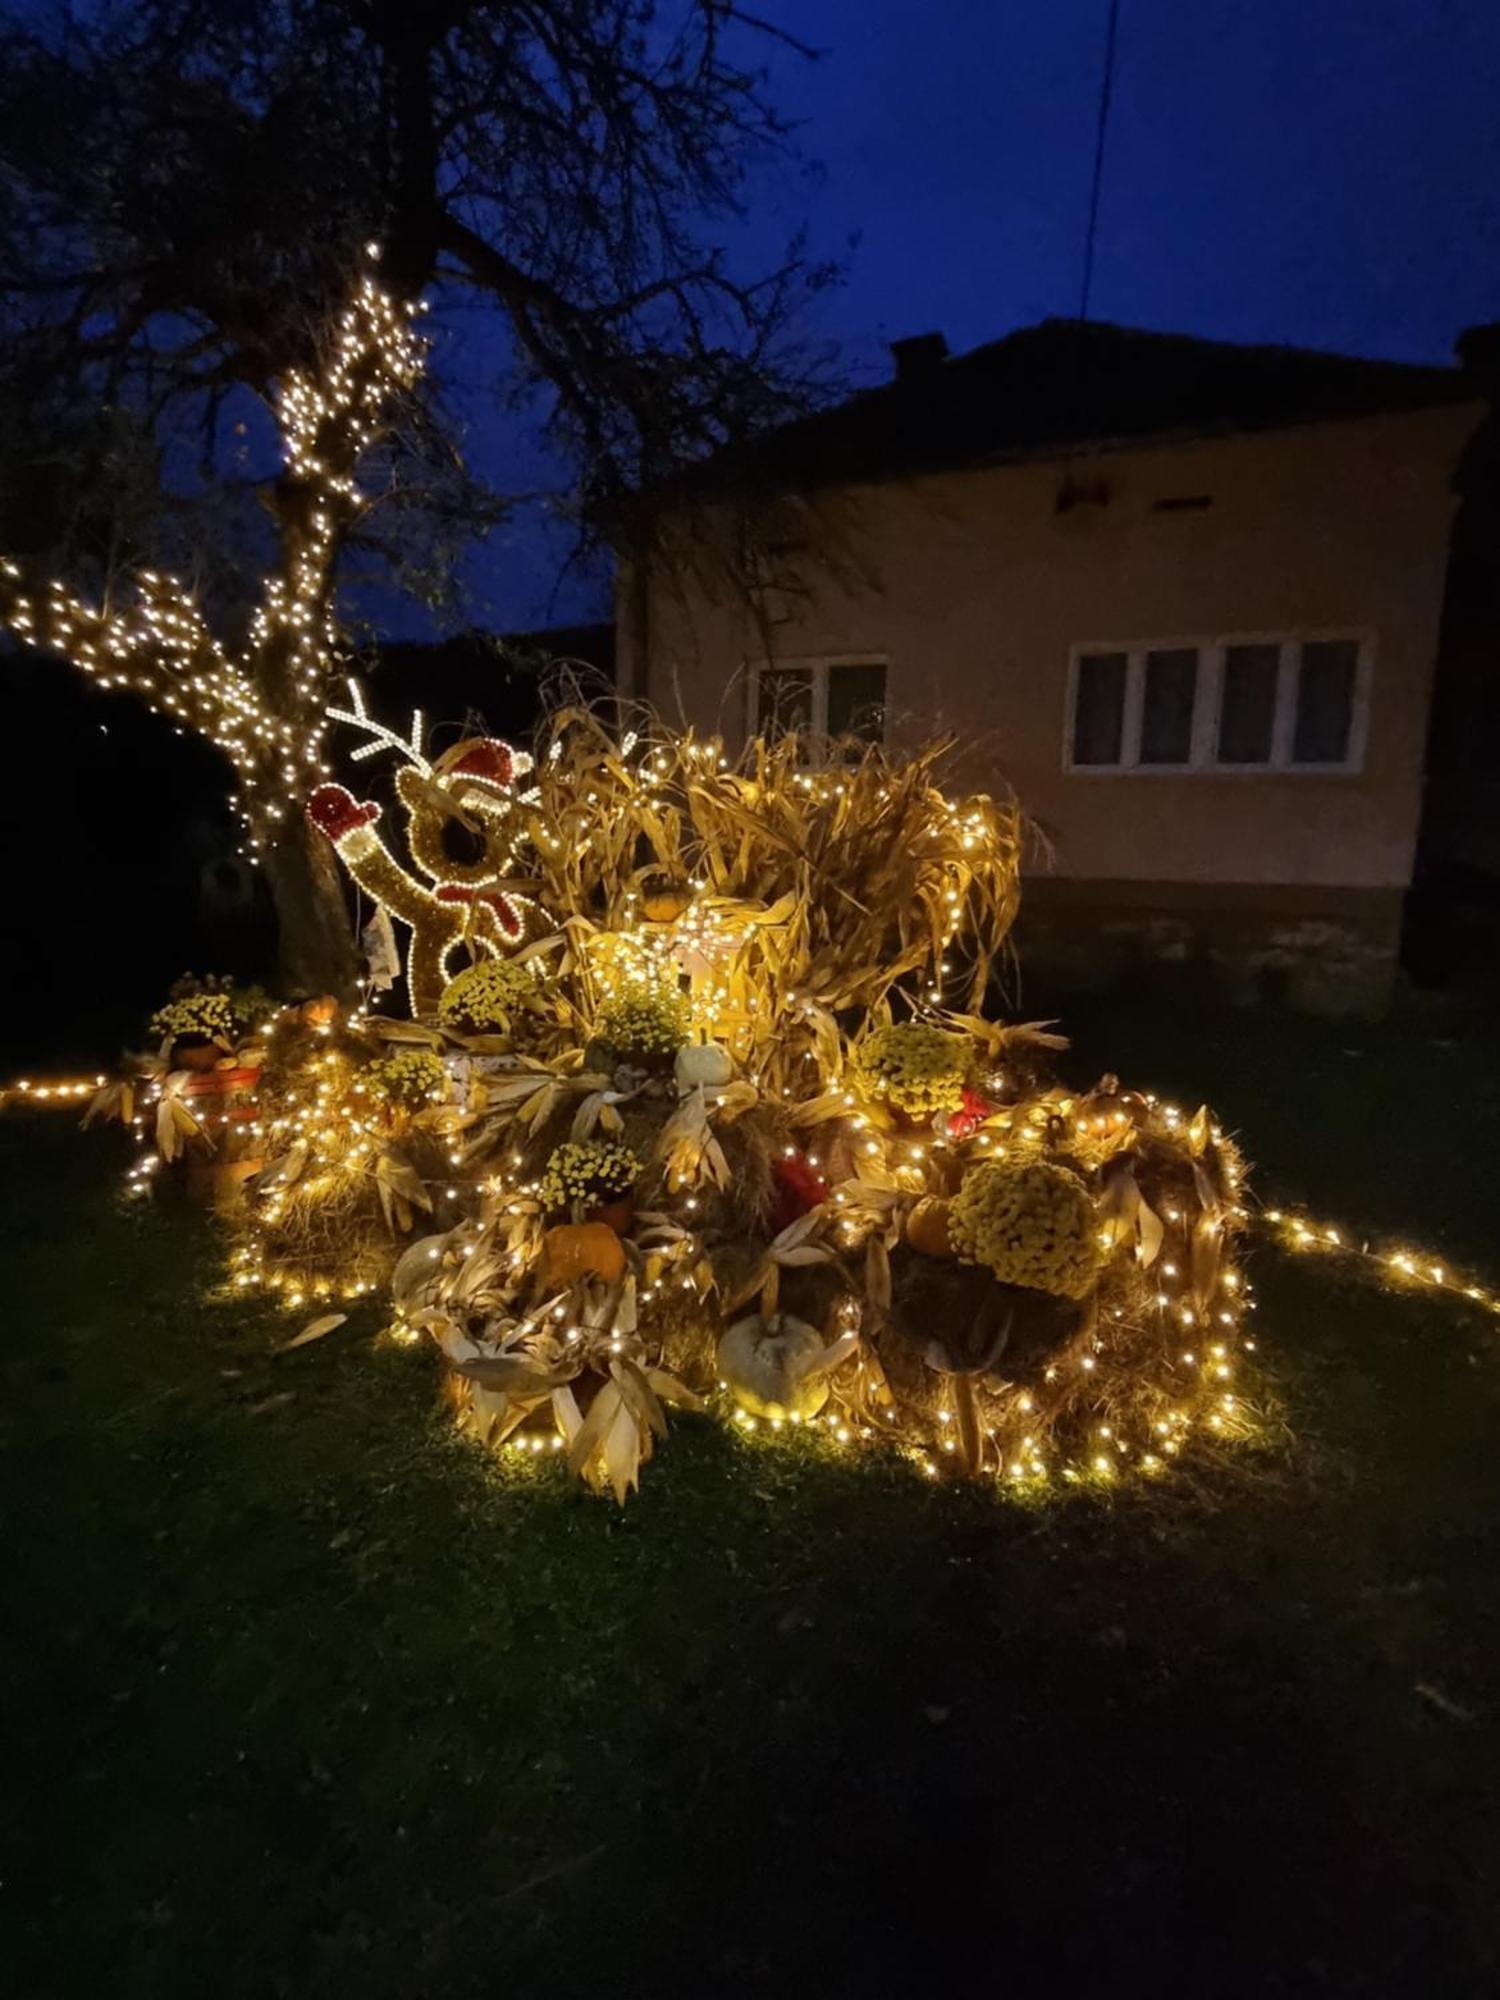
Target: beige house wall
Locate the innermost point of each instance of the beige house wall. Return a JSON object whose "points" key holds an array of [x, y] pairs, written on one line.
{"points": [[974, 589]]}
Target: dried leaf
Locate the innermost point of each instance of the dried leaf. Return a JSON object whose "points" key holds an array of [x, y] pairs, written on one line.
{"points": [[817, 1110], [672, 1391], [1150, 1233], [400, 1188], [625, 1315], [448, 1334], [541, 1107], [639, 1394], [417, 1267], [770, 1288], [878, 1275], [113, 1100], [626, 1443], [314, 1330], [1119, 1200], [588, 1115], [590, 1434], [282, 1172], [748, 1288], [866, 1193], [834, 1355], [1205, 1259], [566, 1413], [970, 1449], [798, 1232], [514, 1375]]}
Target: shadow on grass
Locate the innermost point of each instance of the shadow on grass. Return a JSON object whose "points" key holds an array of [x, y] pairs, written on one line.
{"points": [[306, 1696]]}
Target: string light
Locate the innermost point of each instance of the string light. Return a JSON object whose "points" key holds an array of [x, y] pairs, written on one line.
{"points": [[1399, 1265], [461, 905], [259, 703], [58, 1093], [1157, 1361]]}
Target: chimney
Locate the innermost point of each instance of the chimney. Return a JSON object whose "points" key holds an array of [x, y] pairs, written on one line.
{"points": [[918, 354], [1478, 350]]}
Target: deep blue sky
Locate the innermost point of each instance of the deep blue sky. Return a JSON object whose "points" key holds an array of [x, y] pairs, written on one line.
{"points": [[1316, 171]]}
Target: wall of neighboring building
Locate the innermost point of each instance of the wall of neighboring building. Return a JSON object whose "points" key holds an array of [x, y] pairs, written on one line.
{"points": [[975, 588], [1461, 824]]}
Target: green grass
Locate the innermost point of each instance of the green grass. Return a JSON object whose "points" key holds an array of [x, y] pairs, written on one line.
{"points": [[303, 1696]]}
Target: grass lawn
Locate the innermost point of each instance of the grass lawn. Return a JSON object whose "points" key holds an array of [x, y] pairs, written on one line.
{"points": [[303, 1696]]}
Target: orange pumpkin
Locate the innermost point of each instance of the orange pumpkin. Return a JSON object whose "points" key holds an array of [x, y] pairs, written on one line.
{"points": [[577, 1250], [927, 1228], [662, 902]]}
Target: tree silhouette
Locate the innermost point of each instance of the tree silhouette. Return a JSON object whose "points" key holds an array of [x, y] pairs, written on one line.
{"points": [[181, 184], [260, 700]]}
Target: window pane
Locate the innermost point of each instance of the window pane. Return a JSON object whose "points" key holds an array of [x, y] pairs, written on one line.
{"points": [[1167, 709], [856, 702], [785, 701], [1099, 709], [1325, 701], [1249, 707]]}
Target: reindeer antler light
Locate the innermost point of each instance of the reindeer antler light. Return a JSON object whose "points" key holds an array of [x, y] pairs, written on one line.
{"points": [[381, 738]]}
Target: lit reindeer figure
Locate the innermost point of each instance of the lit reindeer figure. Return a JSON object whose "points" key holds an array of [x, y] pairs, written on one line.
{"points": [[462, 829]]}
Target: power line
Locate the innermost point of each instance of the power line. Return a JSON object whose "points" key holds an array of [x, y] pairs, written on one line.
{"points": [[1106, 84]]}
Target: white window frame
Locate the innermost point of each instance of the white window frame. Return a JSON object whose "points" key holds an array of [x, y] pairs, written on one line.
{"points": [[1208, 705], [818, 665]]}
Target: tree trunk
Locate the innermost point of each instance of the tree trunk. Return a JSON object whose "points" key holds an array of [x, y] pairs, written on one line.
{"points": [[316, 950]]}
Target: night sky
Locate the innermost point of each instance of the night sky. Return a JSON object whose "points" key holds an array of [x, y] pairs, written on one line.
{"points": [[1325, 172]]}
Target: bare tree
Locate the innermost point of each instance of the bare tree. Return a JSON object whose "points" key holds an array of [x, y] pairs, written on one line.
{"points": [[182, 184], [185, 187], [260, 700]]}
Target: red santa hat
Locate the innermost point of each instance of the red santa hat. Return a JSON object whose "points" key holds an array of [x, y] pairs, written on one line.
{"points": [[485, 762]]}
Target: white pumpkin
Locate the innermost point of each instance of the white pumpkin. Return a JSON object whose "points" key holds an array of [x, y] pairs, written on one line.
{"points": [[779, 1367], [708, 1063]]}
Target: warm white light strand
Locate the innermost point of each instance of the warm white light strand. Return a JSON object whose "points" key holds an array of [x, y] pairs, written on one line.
{"points": [[261, 705]]}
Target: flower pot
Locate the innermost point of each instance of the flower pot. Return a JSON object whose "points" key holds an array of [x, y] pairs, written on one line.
{"points": [[616, 1214], [199, 1056], [229, 1183], [219, 1183], [239, 1082], [224, 1098]]}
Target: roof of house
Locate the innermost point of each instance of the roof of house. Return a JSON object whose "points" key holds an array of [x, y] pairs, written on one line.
{"points": [[1064, 385]]}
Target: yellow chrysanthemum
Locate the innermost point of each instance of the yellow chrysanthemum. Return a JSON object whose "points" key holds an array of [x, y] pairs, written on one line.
{"points": [[919, 1069], [410, 1078], [654, 1021], [1030, 1222], [484, 999], [588, 1170]]}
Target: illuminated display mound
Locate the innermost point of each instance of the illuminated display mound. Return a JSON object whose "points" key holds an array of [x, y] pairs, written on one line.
{"points": [[726, 1124]]}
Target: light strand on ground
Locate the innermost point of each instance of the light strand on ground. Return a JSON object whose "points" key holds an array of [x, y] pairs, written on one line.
{"points": [[1400, 1264], [56, 1092]]}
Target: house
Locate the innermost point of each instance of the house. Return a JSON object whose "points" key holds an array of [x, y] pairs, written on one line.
{"points": [[1183, 596]]}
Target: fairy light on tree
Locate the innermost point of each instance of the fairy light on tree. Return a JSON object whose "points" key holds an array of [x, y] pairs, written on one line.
{"points": [[261, 702]]}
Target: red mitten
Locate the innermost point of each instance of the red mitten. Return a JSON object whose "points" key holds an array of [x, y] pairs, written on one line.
{"points": [[337, 812]]}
